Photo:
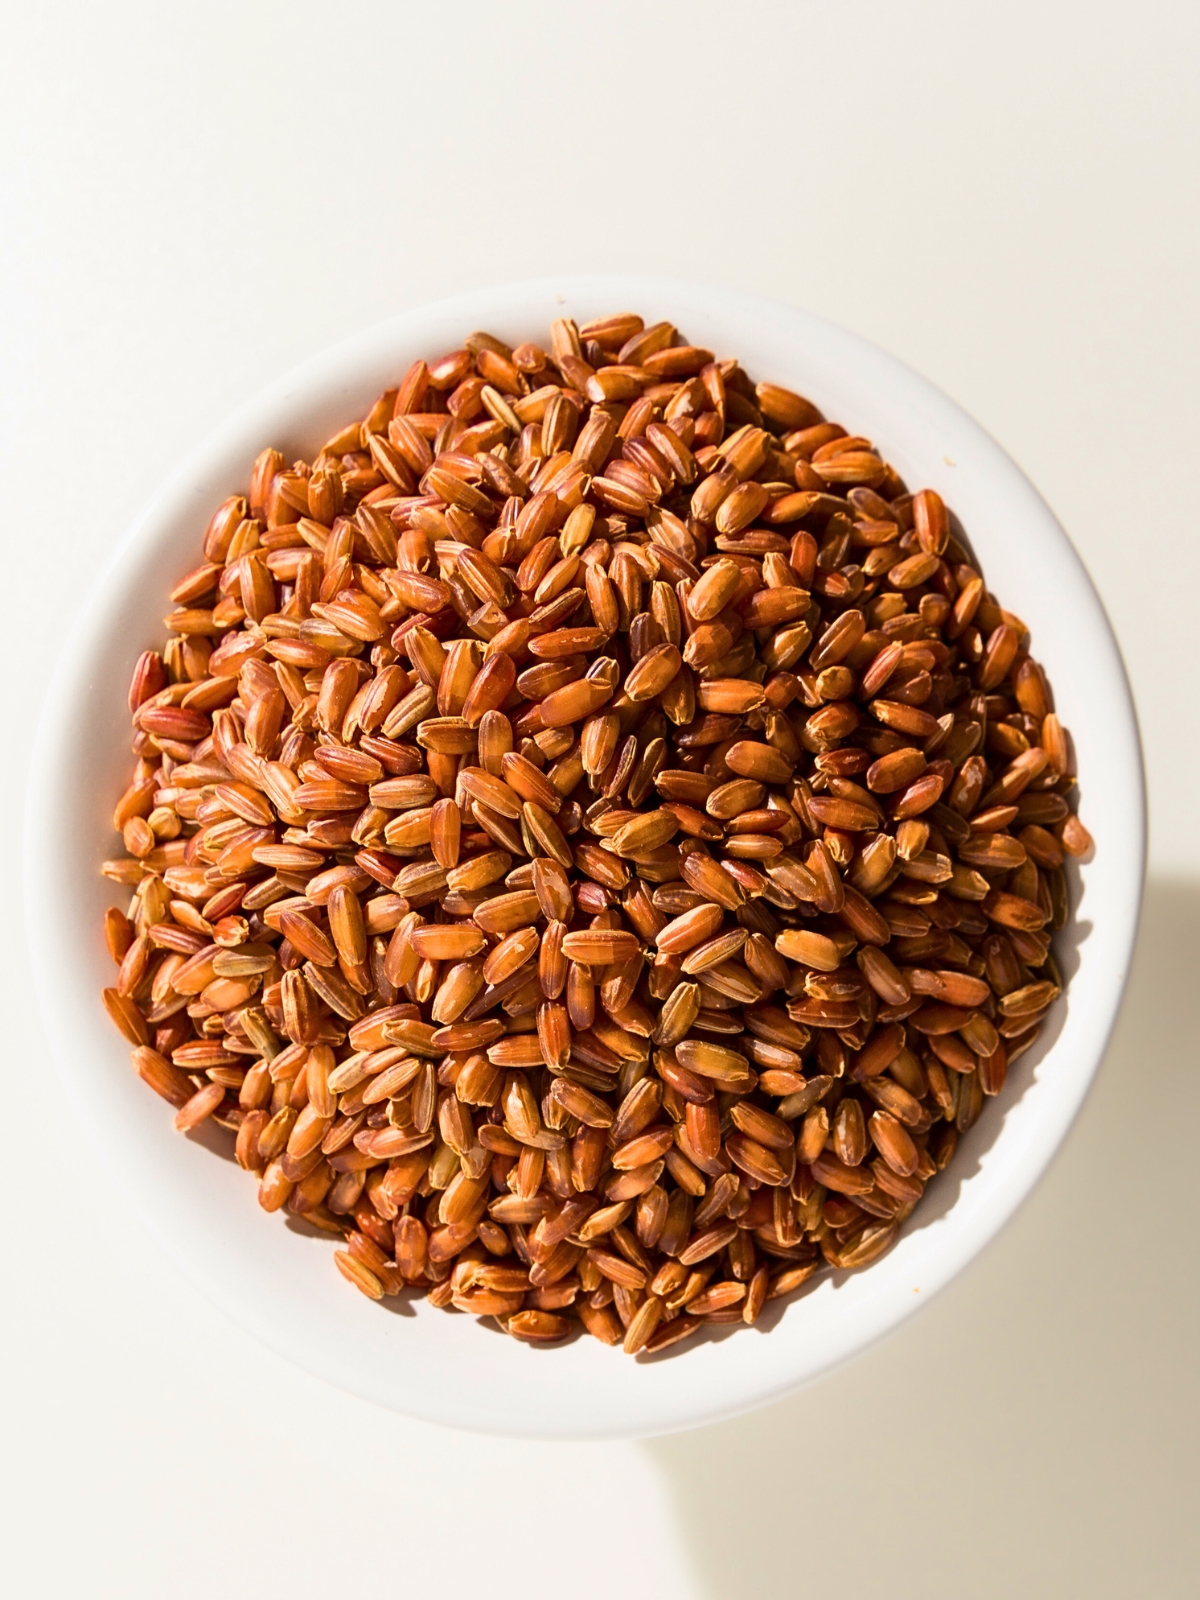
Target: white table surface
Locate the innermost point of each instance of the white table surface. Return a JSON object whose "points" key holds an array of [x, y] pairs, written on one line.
{"points": [[194, 198]]}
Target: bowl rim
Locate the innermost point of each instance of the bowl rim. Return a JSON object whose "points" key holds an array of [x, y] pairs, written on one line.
{"points": [[334, 370]]}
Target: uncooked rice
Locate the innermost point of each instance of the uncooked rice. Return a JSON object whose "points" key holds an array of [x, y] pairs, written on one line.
{"points": [[595, 840]]}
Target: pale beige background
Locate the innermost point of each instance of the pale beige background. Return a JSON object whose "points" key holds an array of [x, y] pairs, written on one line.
{"points": [[196, 197]]}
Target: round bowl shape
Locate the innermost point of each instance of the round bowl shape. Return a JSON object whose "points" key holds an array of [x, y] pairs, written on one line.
{"points": [[279, 1281]]}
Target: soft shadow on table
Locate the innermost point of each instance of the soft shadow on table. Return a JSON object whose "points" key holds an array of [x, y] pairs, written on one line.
{"points": [[1035, 1432]]}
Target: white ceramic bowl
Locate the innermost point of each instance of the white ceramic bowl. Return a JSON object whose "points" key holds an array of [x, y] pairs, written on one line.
{"points": [[280, 1283]]}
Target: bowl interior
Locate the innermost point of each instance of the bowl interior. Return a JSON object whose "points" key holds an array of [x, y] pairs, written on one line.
{"points": [[275, 1276]]}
